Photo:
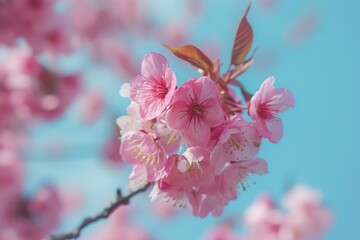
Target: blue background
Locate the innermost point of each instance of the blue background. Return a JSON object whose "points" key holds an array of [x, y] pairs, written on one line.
{"points": [[320, 144]]}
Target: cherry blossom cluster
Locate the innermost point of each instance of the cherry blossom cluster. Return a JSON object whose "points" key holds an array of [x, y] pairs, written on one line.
{"points": [[193, 141], [305, 218], [36, 22]]}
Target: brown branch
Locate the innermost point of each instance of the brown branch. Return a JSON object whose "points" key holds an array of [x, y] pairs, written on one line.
{"points": [[120, 200]]}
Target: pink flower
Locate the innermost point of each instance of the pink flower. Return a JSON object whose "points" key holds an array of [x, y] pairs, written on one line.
{"points": [[265, 222], [209, 202], [139, 148], [305, 219], [171, 140], [264, 107], [239, 173], [31, 218], [306, 212], [195, 110], [214, 195], [239, 141], [154, 87], [53, 94], [183, 175]]}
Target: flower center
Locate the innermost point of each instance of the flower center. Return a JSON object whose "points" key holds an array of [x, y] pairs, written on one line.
{"points": [[264, 112], [196, 109]]}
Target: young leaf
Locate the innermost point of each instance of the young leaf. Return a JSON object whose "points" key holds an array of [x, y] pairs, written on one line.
{"points": [[192, 55], [243, 40]]}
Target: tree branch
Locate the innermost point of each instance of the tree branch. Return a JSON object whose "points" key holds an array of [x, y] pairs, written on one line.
{"points": [[120, 200]]}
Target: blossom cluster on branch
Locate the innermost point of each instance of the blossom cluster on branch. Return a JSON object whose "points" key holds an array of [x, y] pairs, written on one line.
{"points": [[193, 140]]}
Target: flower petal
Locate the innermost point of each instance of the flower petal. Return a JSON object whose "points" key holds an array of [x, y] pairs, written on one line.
{"points": [[154, 64]]}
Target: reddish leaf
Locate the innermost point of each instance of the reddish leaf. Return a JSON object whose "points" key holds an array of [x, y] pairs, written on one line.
{"points": [[243, 40], [193, 55]]}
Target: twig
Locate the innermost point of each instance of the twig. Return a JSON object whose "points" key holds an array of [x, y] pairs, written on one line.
{"points": [[120, 200]]}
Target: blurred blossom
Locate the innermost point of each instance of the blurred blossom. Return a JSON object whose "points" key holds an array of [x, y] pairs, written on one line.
{"points": [[222, 231], [111, 150], [267, 4], [92, 105], [37, 22], [303, 27], [119, 227], [32, 90], [22, 217], [305, 218], [163, 210]]}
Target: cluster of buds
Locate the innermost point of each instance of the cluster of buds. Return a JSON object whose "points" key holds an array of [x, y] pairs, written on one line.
{"points": [[193, 141]]}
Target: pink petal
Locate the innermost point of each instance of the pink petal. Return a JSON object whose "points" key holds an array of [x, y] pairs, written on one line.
{"points": [[198, 134], [255, 165], [275, 127], [154, 64], [178, 116], [207, 88], [170, 80], [280, 99], [213, 114]]}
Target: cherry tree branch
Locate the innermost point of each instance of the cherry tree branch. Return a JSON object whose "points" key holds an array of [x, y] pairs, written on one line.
{"points": [[120, 200]]}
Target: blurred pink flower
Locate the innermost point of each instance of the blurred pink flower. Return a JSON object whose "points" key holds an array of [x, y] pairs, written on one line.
{"points": [[222, 232], [31, 219], [306, 212], [11, 176], [92, 106], [306, 217], [119, 227]]}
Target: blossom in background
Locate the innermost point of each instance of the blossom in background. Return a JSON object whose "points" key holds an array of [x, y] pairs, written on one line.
{"points": [[304, 217], [22, 217], [120, 227], [37, 22], [32, 90]]}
